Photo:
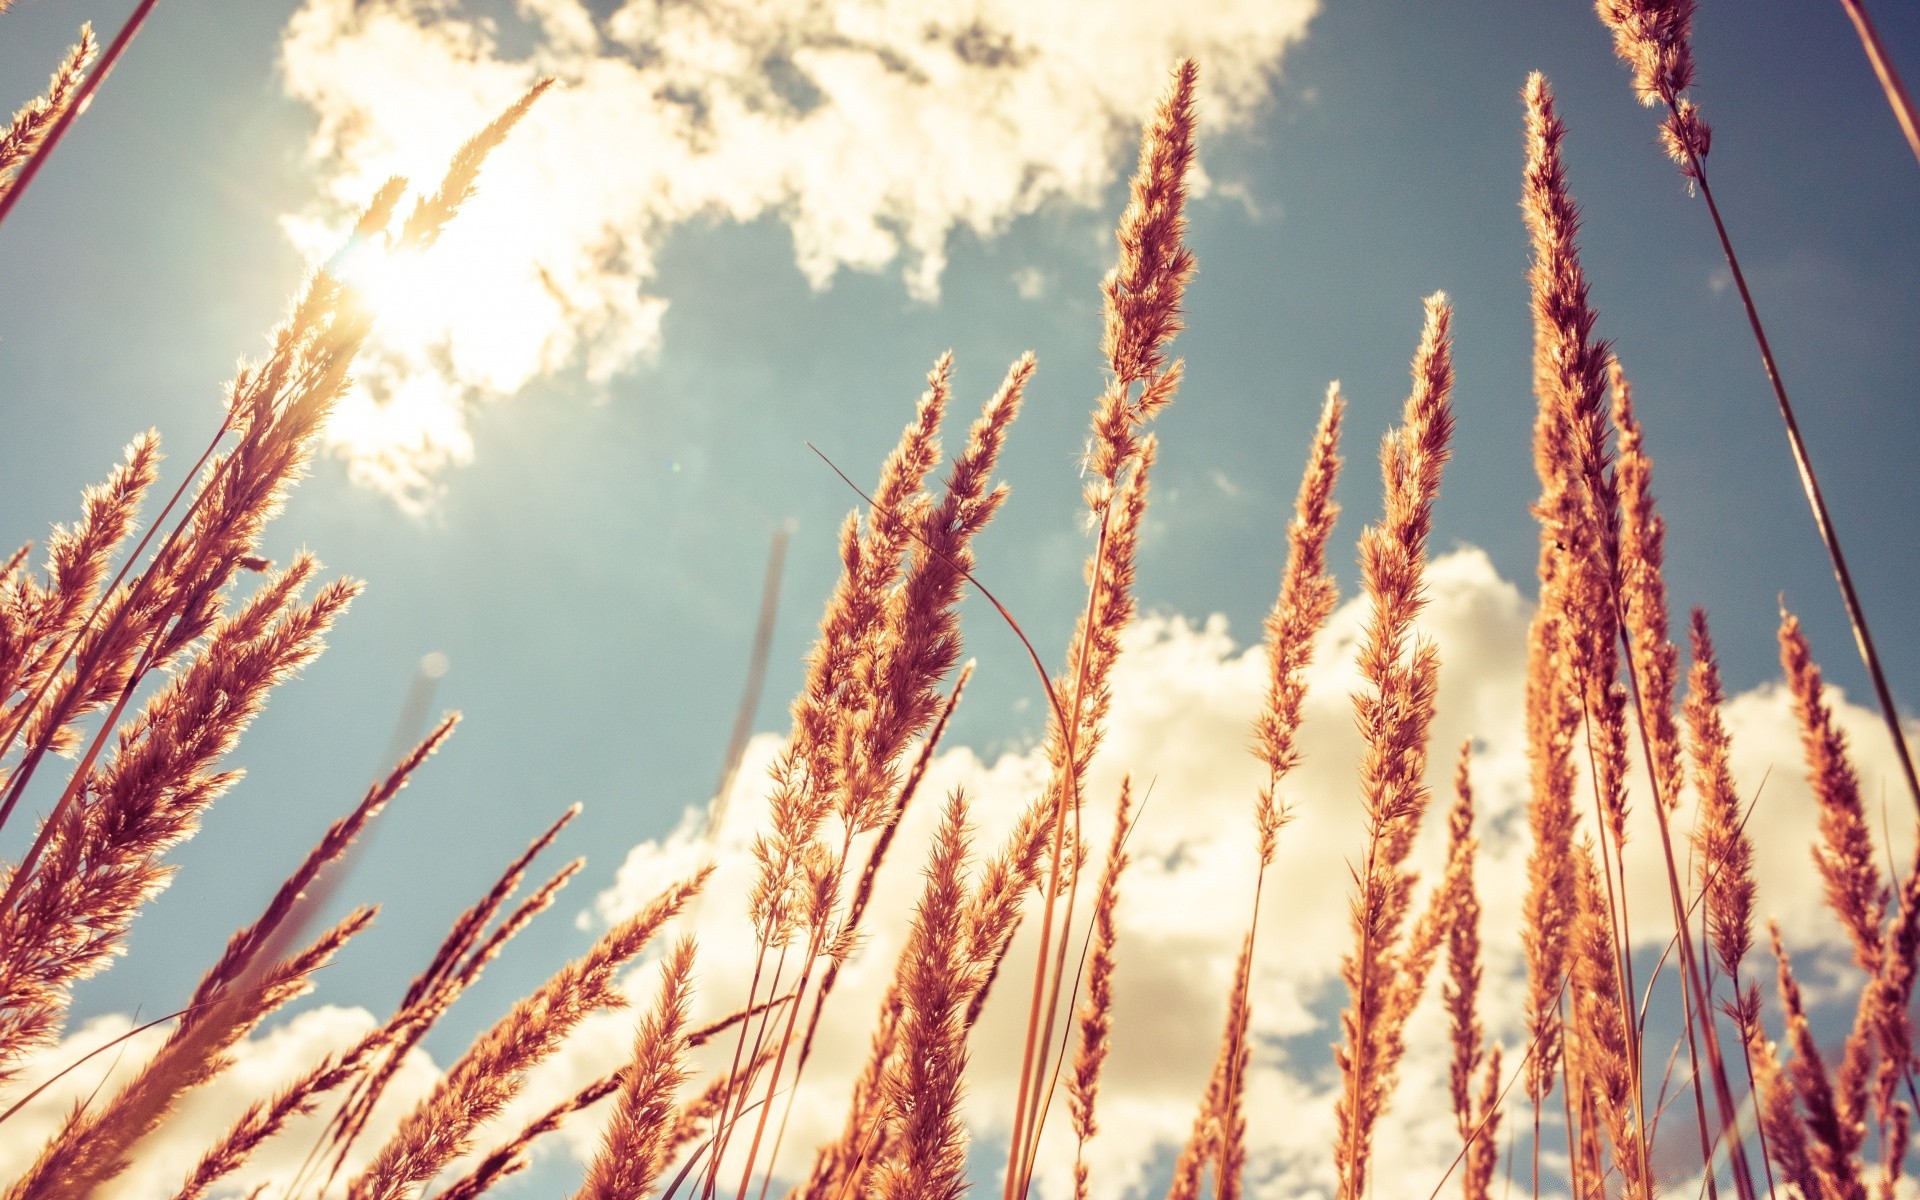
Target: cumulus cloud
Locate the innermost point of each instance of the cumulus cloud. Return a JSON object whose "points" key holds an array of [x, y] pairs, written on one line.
{"points": [[873, 130], [1184, 694]]}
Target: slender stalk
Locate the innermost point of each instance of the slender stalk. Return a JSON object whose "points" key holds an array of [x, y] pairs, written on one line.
{"points": [[1897, 98], [1816, 500]]}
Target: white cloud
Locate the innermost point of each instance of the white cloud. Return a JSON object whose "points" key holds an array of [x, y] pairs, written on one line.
{"points": [[872, 129], [1031, 283], [1184, 694]]}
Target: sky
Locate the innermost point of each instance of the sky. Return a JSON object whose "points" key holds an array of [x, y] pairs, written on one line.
{"points": [[736, 228]]}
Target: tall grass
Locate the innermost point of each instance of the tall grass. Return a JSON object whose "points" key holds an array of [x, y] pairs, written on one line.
{"points": [[145, 677]]}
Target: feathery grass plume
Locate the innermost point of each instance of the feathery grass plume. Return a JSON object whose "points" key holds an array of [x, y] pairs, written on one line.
{"points": [[904, 641], [1143, 296], [1642, 599], [1300, 611], [1897, 97], [1552, 722], [1570, 374], [922, 643], [1219, 1136], [29, 126], [510, 1157], [103, 854], [458, 961], [1879, 1050], [1652, 38], [1725, 857], [1726, 852], [633, 1149], [493, 1069], [94, 1147], [797, 878], [1394, 710], [863, 892], [39, 622], [1599, 1041], [810, 775], [255, 946], [922, 1092], [431, 214], [1475, 1115], [1643, 592], [1096, 1015], [1784, 1133], [1854, 887], [1832, 1137]]}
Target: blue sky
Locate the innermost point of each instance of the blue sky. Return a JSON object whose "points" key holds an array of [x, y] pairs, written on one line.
{"points": [[592, 574]]}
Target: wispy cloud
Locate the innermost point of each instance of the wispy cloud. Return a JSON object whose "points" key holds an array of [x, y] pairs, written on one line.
{"points": [[872, 129]]}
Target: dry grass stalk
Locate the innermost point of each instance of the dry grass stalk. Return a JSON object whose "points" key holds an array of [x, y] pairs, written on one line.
{"points": [[458, 961], [1552, 723], [1725, 850], [1143, 306], [1855, 888], [1476, 1113], [1601, 1045], [1832, 1137], [1571, 369], [839, 690], [492, 1071], [890, 639], [1643, 593], [38, 623], [103, 855], [1218, 1139], [1725, 858], [28, 129], [1642, 599], [1300, 611], [94, 1147], [258, 945], [920, 1098], [1306, 599], [1096, 1015], [633, 1149], [1400, 673]]}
